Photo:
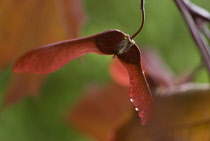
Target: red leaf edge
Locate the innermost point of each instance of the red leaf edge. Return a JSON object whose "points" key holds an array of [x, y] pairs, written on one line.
{"points": [[139, 92], [51, 57]]}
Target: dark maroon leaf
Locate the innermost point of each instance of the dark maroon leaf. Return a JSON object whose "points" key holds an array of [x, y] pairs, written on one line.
{"points": [[140, 93], [155, 68], [53, 56]]}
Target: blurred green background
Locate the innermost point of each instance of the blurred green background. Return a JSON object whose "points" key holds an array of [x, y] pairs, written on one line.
{"points": [[43, 119]]}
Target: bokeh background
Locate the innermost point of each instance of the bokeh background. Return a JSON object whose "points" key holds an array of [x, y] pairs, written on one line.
{"points": [[26, 24]]}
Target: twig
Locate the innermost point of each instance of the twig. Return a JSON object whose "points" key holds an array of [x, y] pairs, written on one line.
{"points": [[143, 19], [190, 13]]}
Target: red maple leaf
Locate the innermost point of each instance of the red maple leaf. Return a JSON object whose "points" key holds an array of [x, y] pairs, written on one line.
{"points": [[51, 57]]}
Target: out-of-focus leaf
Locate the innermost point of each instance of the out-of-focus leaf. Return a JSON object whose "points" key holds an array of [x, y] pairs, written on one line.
{"points": [[156, 68], [182, 116], [119, 73], [23, 85], [73, 16], [101, 111], [29, 24]]}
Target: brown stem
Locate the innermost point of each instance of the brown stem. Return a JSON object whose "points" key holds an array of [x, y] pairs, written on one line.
{"points": [[143, 19], [183, 6], [197, 11], [206, 31], [184, 89]]}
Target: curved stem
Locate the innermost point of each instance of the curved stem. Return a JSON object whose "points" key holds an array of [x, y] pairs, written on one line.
{"points": [[195, 32], [143, 19]]}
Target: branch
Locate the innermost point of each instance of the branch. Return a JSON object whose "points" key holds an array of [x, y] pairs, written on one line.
{"points": [[191, 14], [188, 88]]}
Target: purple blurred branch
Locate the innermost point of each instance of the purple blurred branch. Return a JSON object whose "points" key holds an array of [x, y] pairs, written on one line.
{"points": [[196, 19]]}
